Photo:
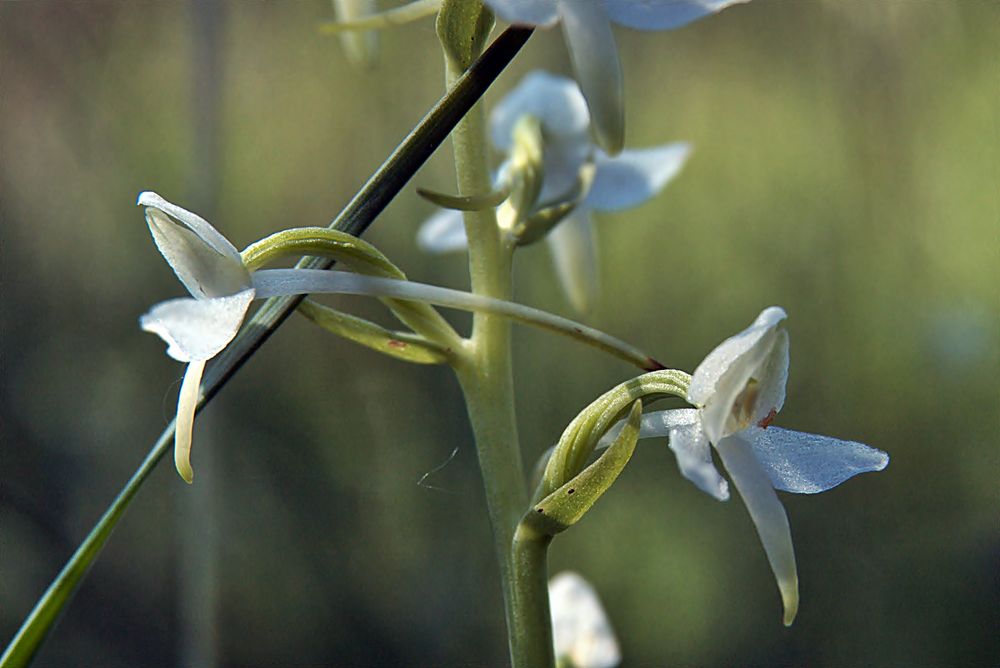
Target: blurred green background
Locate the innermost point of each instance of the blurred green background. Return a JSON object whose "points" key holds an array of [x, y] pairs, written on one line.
{"points": [[846, 167]]}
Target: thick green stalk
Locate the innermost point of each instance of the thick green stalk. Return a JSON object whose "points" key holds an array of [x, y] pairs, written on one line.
{"points": [[532, 644], [485, 374], [486, 377]]}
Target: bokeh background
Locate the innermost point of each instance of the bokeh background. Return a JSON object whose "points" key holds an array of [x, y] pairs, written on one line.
{"points": [[846, 167]]}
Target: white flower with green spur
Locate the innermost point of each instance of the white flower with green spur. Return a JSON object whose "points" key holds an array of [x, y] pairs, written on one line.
{"points": [[738, 390], [199, 327], [586, 25], [581, 632], [620, 182]]}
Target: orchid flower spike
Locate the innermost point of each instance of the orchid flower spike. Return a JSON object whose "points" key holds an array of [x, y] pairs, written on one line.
{"points": [[738, 389], [586, 25], [581, 632], [619, 182]]}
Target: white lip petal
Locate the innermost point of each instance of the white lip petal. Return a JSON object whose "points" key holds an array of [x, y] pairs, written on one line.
{"points": [[574, 252], [808, 463], [525, 12], [662, 14], [197, 329], [443, 232], [555, 101], [694, 458], [204, 261], [595, 61], [768, 516], [580, 628], [634, 176], [187, 403]]}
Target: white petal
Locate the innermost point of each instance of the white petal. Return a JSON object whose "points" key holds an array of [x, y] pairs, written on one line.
{"points": [[768, 516], [443, 232], [187, 403], [726, 353], [634, 176], [555, 101], [595, 61], [657, 424], [197, 329], [808, 463], [581, 631], [694, 459], [662, 14], [204, 260], [772, 377], [574, 251], [562, 162], [526, 12], [192, 221], [724, 374]]}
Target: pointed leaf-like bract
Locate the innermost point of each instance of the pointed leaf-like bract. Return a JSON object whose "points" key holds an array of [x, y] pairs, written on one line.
{"points": [[404, 346], [568, 504]]}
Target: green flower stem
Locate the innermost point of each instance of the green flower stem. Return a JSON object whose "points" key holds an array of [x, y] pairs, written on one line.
{"points": [[486, 377], [487, 382], [532, 644]]}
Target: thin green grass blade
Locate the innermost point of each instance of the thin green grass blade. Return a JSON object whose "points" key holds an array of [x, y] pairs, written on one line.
{"points": [[36, 627]]}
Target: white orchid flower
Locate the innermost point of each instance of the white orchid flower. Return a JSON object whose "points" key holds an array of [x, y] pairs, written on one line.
{"points": [[738, 390], [199, 328], [620, 182], [586, 25], [581, 632]]}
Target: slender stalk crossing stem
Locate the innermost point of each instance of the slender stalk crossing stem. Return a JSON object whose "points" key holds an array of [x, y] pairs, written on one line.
{"points": [[278, 281]]}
